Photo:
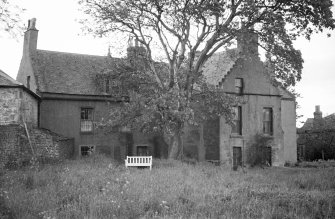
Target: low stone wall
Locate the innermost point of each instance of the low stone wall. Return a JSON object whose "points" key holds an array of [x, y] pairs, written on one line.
{"points": [[12, 144], [16, 150]]}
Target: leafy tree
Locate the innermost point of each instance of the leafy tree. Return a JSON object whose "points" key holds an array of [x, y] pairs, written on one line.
{"points": [[10, 21], [188, 33]]}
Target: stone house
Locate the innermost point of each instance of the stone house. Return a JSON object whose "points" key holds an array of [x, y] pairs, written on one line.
{"points": [[316, 138], [267, 109], [71, 103], [19, 110], [17, 102]]}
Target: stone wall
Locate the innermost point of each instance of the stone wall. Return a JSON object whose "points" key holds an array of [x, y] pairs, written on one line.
{"points": [[9, 105], [29, 108], [48, 145], [15, 105], [16, 150]]}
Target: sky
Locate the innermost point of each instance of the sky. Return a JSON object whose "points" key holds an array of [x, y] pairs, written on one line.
{"points": [[59, 30]]}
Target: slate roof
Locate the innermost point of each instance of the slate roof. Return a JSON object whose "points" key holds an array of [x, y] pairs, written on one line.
{"points": [[328, 123], [69, 73], [308, 124], [7, 80], [218, 66]]}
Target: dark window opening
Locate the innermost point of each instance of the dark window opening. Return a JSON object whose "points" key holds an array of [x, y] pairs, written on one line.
{"points": [[107, 88], [86, 150], [86, 120], [239, 85], [267, 121], [28, 82], [142, 151], [237, 121]]}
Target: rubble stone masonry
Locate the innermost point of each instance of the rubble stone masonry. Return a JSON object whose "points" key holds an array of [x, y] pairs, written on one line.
{"points": [[10, 103]]}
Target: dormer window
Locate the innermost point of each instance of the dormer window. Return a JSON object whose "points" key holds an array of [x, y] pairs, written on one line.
{"points": [[239, 86], [28, 82]]}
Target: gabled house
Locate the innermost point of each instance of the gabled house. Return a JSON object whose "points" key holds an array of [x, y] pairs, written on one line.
{"points": [[20, 136], [71, 103], [267, 109], [316, 138], [71, 100]]}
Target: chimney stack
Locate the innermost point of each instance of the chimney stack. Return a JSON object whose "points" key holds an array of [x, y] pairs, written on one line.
{"points": [[317, 113], [247, 42], [30, 37], [318, 122], [135, 51]]}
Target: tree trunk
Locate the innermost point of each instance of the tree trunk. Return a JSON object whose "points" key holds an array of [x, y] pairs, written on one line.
{"points": [[175, 146]]}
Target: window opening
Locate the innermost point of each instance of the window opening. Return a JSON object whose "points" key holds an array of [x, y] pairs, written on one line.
{"points": [[267, 121], [237, 121], [86, 150], [86, 120], [239, 85]]}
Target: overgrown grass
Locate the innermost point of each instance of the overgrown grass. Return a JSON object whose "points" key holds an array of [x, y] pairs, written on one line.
{"points": [[98, 188]]}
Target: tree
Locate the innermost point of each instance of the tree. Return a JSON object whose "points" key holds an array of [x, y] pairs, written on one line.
{"points": [[189, 32], [10, 21]]}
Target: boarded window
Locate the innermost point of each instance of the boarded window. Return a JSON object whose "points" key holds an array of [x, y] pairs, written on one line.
{"points": [[237, 122], [86, 120], [267, 121], [238, 85]]}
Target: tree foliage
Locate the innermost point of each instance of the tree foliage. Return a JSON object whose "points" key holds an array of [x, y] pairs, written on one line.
{"points": [[188, 33], [10, 21]]}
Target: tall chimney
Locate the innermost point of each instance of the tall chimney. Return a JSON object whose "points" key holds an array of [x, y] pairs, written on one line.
{"points": [[317, 113], [318, 122], [247, 41], [30, 37]]}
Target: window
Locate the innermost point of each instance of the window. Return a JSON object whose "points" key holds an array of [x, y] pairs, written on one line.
{"points": [[238, 85], [28, 82], [237, 121], [107, 86], [86, 150], [267, 121], [86, 120]]}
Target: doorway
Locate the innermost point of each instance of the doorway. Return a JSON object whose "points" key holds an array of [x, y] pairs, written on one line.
{"points": [[237, 157]]}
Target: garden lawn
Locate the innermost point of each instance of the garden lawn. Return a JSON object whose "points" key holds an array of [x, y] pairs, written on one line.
{"points": [[98, 188]]}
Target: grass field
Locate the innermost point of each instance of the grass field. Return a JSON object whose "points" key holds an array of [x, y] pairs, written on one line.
{"points": [[98, 188]]}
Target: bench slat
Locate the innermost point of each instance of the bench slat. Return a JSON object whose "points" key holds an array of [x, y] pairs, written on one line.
{"points": [[138, 161]]}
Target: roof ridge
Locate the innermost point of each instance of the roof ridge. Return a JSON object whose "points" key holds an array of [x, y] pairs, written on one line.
{"points": [[75, 54]]}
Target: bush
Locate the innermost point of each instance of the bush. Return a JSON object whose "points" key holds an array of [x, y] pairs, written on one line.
{"points": [[259, 153]]}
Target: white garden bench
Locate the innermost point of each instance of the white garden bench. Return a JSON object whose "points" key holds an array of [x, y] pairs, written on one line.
{"points": [[139, 161]]}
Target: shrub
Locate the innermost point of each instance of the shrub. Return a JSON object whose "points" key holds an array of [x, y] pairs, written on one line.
{"points": [[258, 152]]}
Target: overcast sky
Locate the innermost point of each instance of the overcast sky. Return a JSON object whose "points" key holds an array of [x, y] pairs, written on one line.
{"points": [[59, 30]]}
